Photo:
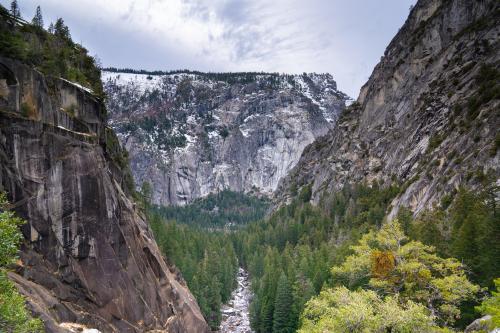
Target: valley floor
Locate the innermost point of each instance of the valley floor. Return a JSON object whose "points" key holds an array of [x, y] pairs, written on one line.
{"points": [[235, 314]]}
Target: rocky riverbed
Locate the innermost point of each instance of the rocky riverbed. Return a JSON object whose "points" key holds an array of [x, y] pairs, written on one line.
{"points": [[235, 314]]}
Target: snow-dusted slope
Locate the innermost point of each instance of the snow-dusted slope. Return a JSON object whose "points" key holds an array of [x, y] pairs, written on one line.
{"points": [[193, 134]]}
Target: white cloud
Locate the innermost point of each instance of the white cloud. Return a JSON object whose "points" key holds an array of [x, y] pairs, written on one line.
{"points": [[345, 38]]}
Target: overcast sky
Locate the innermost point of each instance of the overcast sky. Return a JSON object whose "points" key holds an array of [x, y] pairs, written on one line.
{"points": [[345, 38]]}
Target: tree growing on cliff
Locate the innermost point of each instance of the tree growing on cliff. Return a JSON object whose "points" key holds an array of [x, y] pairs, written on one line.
{"points": [[37, 20], [14, 9], [146, 194], [61, 30]]}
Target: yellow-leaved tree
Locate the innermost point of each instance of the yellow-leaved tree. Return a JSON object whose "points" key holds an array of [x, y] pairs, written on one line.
{"points": [[390, 272]]}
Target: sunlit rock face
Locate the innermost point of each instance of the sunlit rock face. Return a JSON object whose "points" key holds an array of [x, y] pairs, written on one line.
{"points": [[89, 259], [191, 134]]}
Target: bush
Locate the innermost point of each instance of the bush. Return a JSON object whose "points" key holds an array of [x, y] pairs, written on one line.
{"points": [[491, 306], [487, 79], [434, 142], [25, 110], [13, 314], [305, 193], [14, 317]]}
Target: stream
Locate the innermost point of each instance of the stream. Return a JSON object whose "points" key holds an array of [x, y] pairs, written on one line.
{"points": [[235, 314]]}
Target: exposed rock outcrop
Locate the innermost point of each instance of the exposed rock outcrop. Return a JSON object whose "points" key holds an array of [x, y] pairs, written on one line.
{"points": [[482, 324], [89, 256], [427, 118], [192, 134]]}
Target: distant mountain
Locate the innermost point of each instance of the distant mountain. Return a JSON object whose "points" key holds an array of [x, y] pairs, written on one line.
{"points": [[427, 118], [190, 134]]}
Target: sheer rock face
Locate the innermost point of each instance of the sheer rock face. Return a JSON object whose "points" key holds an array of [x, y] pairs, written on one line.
{"points": [[415, 122], [194, 134], [89, 257]]}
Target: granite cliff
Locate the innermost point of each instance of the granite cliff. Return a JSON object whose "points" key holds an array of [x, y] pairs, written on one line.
{"points": [[89, 257], [190, 134], [427, 118]]}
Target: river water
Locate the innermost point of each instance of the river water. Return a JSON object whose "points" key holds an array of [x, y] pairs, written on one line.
{"points": [[235, 314]]}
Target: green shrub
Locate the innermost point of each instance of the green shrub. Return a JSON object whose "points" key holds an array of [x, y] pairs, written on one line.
{"points": [[14, 317], [488, 80], [434, 142], [25, 110], [71, 110], [305, 193], [446, 201], [341, 310], [224, 132], [491, 306]]}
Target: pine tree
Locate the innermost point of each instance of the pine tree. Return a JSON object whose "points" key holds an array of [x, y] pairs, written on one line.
{"points": [[146, 193], [268, 288], [282, 321], [51, 28], [266, 315], [38, 19], [61, 30], [475, 232], [14, 9]]}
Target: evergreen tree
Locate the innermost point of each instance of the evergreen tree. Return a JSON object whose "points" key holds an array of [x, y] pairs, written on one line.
{"points": [[476, 226], [266, 315], [146, 194], [38, 19], [430, 229], [54, 55], [282, 317], [61, 30], [51, 28], [14, 9]]}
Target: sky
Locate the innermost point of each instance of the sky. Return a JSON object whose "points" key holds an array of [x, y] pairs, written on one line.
{"points": [[345, 38]]}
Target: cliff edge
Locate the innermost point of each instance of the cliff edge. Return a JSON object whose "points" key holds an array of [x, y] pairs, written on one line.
{"points": [[89, 257]]}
